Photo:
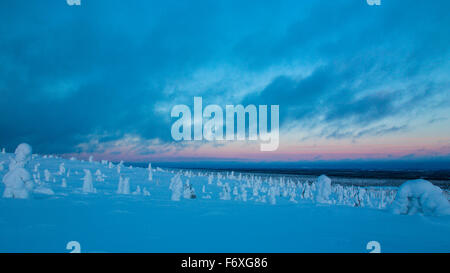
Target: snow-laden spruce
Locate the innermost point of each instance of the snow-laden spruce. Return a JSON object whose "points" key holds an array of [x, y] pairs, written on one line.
{"points": [[226, 192], [36, 167], [188, 191], [420, 196], [88, 186], [100, 177], [150, 172], [62, 169], [36, 178], [235, 191], [243, 195], [47, 175], [306, 193], [272, 195], [210, 179], [18, 182], [323, 189], [176, 186], [124, 185]]}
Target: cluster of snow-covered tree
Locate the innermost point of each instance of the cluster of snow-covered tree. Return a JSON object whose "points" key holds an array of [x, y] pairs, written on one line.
{"points": [[415, 196], [19, 183], [269, 189]]}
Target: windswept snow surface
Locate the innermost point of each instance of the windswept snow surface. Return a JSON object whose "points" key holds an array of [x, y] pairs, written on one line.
{"points": [[257, 215]]}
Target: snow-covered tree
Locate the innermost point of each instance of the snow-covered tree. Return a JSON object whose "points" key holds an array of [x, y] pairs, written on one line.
{"points": [[255, 190], [176, 186], [47, 175], [361, 197], [88, 186], [18, 183], [150, 172], [188, 191], [145, 192], [120, 185], [323, 189], [36, 167], [306, 194], [137, 191], [292, 195], [62, 169], [37, 178], [244, 194], [99, 176], [124, 185], [272, 195], [226, 192], [339, 192], [420, 196], [210, 179], [235, 191]]}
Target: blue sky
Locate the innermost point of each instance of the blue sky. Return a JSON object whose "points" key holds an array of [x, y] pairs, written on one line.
{"points": [[353, 81]]}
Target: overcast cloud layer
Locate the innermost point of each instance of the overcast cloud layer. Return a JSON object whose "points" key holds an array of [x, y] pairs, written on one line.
{"points": [[105, 75]]}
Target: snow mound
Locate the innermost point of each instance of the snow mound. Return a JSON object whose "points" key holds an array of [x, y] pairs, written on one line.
{"points": [[43, 190], [420, 196]]}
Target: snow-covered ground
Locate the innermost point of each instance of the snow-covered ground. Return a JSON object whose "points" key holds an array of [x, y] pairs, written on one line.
{"points": [[216, 212]]}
